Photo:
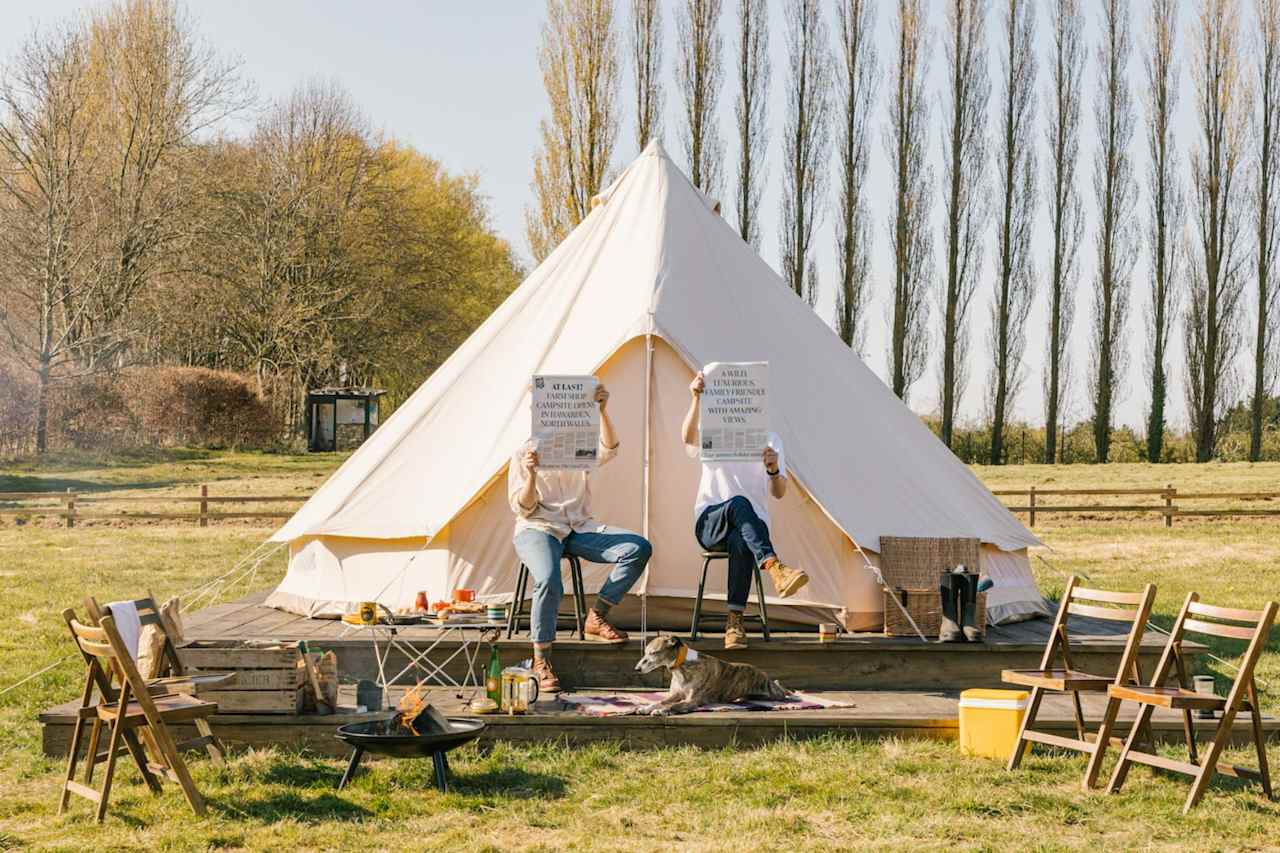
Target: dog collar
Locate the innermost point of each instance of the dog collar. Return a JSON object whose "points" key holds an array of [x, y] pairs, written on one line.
{"points": [[685, 655]]}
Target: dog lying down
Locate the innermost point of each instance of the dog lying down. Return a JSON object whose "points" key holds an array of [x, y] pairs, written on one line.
{"points": [[698, 679]]}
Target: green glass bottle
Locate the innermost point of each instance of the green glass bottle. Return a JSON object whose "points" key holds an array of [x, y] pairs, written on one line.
{"points": [[493, 678]]}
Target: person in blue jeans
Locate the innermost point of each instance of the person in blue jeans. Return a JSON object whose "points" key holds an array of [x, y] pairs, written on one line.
{"points": [[553, 519], [731, 513]]}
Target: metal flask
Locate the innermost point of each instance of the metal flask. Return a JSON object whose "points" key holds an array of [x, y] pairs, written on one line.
{"points": [[519, 690]]}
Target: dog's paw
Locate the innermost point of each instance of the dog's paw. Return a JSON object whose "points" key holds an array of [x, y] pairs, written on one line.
{"points": [[654, 710]]}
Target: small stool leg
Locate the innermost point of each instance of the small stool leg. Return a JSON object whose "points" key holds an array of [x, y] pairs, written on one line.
{"points": [[442, 771], [356, 755], [579, 596], [764, 610], [517, 601], [697, 604]]}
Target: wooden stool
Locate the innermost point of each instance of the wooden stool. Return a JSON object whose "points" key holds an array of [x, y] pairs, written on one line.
{"points": [[579, 598], [707, 557]]}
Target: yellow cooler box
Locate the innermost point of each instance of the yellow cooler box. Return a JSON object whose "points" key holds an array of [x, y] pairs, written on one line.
{"points": [[990, 721]]}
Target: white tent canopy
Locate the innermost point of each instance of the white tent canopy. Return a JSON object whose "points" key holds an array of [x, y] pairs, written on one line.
{"points": [[651, 285]]}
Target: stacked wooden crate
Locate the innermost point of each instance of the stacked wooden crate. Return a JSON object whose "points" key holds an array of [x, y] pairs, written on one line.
{"points": [[270, 678]]}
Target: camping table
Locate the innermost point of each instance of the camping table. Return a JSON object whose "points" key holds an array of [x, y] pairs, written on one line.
{"points": [[426, 655]]}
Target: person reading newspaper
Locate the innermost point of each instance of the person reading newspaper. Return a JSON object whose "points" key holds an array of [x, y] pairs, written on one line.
{"points": [[731, 513], [553, 518]]}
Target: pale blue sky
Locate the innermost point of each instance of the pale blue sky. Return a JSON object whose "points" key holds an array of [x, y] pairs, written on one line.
{"points": [[460, 82]]}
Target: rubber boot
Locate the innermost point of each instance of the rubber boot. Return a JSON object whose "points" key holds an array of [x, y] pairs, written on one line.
{"points": [[950, 631], [968, 584]]}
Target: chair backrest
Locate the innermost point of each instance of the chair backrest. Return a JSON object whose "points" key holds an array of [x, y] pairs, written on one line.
{"points": [[148, 614], [1227, 623], [1132, 608], [107, 656], [916, 562]]}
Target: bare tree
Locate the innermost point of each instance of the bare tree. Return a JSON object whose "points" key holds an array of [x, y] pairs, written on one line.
{"points": [[1164, 230], [752, 109], [579, 61], [700, 72], [1116, 190], [1062, 134], [905, 139], [1216, 281], [1016, 274], [99, 120], [157, 87], [51, 277], [964, 140], [805, 143], [1267, 123], [646, 59], [858, 82]]}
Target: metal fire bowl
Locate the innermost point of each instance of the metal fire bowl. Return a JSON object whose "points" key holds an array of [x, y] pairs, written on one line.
{"points": [[369, 737]]}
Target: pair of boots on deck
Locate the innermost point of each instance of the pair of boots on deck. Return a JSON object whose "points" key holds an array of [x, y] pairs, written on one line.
{"points": [[959, 591]]}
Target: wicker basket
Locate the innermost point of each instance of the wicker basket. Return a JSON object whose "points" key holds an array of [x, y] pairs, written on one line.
{"points": [[925, 606], [912, 568]]}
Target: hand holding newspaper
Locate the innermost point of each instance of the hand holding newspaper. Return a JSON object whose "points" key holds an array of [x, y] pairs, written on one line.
{"points": [[733, 414], [566, 421]]}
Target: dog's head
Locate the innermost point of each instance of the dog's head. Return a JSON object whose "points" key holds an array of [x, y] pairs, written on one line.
{"points": [[661, 652]]}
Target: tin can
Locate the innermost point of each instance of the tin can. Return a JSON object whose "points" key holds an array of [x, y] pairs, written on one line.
{"points": [[827, 632], [368, 612]]}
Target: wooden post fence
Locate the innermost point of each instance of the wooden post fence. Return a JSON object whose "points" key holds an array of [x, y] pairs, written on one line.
{"points": [[71, 508], [204, 505], [1168, 504], [1032, 504]]}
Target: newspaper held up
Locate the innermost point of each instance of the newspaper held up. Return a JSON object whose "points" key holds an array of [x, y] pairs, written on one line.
{"points": [[566, 421], [733, 411]]}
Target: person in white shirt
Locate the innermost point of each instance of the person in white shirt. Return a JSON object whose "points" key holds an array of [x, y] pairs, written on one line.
{"points": [[731, 513], [553, 518]]}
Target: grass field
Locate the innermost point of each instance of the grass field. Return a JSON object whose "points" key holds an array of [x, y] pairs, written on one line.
{"points": [[817, 795]]}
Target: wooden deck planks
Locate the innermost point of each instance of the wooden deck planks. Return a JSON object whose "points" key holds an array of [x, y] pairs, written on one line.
{"points": [[930, 714]]}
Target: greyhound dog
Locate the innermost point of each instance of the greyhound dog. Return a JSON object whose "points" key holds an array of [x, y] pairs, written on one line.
{"points": [[698, 679]]}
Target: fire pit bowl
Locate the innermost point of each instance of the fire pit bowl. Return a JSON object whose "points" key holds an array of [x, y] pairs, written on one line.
{"points": [[387, 737]]}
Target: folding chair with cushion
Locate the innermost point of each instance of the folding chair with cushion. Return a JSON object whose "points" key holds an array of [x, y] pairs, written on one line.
{"points": [[1243, 695], [167, 674], [1130, 607], [127, 712]]}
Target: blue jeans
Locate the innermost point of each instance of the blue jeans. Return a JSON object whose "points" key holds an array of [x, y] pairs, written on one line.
{"points": [[541, 552], [735, 527]]}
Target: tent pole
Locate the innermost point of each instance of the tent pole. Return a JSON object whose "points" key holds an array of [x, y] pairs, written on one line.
{"points": [[648, 448]]}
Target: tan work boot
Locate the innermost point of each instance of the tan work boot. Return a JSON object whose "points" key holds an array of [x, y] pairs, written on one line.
{"points": [[601, 631], [786, 580], [735, 636], [547, 680]]}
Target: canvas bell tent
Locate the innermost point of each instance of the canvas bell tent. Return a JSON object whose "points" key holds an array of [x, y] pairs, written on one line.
{"points": [[650, 286]]}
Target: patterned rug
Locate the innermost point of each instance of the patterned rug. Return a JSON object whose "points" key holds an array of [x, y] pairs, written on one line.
{"points": [[622, 704]]}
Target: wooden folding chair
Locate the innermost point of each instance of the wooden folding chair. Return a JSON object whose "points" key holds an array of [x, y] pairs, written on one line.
{"points": [[1131, 607], [1243, 695], [131, 710], [169, 675]]}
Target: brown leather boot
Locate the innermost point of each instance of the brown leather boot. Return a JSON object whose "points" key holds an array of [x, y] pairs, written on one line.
{"points": [[735, 636], [786, 580], [547, 680], [601, 631]]}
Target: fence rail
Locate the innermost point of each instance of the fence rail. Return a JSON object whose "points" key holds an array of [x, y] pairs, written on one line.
{"points": [[66, 505], [1168, 506]]}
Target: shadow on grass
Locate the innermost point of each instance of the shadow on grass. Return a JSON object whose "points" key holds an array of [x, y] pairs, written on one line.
{"points": [[508, 783], [298, 805], [53, 485]]}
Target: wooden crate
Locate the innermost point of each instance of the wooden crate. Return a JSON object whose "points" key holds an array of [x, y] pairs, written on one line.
{"points": [[269, 678], [925, 606]]}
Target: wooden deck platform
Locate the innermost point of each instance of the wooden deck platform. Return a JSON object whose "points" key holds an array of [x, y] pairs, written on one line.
{"points": [[854, 662], [874, 714]]}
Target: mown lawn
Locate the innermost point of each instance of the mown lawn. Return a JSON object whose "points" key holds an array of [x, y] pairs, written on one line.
{"points": [[817, 795]]}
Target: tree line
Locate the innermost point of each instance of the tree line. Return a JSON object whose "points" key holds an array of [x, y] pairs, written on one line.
{"points": [[1202, 217], [135, 229]]}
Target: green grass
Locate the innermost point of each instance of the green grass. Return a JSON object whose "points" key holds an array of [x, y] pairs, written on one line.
{"points": [[833, 793]]}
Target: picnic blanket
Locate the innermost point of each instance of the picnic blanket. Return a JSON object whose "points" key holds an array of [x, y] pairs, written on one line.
{"points": [[622, 704]]}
